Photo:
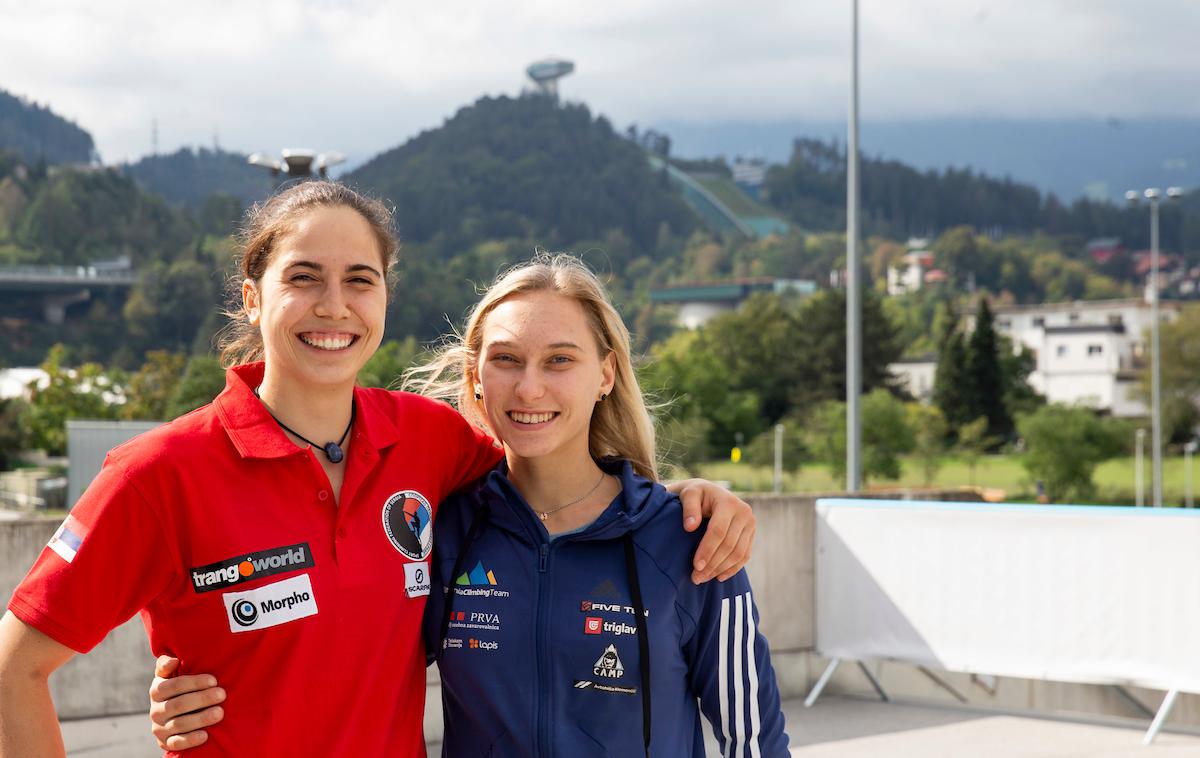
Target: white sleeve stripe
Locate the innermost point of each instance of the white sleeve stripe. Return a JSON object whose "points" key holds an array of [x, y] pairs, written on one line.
{"points": [[722, 676], [738, 689], [752, 670]]}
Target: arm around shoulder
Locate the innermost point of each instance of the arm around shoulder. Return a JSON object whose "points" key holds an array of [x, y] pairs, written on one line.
{"points": [[28, 723]]}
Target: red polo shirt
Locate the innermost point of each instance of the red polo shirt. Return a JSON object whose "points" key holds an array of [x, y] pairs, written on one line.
{"points": [[227, 539]]}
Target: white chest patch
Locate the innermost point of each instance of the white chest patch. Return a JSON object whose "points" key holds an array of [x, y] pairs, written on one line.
{"points": [[270, 605], [416, 579]]}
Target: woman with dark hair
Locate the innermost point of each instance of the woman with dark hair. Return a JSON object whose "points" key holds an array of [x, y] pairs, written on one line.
{"points": [[279, 537]]}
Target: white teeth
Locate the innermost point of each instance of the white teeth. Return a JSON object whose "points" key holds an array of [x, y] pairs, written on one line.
{"points": [[531, 418], [327, 343]]}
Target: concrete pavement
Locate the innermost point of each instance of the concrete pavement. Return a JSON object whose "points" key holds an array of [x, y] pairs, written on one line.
{"points": [[837, 726]]}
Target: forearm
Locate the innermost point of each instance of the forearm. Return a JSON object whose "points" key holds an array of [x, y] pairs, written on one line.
{"points": [[28, 723]]}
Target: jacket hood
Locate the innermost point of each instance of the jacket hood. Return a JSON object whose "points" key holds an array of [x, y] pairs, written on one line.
{"points": [[637, 503]]}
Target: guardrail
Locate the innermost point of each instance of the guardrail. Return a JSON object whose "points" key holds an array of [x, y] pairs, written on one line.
{"points": [[65, 274]]}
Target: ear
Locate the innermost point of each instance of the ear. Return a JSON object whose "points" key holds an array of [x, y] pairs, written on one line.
{"points": [[251, 301], [608, 373]]}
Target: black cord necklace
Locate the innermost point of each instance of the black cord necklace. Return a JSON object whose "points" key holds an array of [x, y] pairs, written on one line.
{"points": [[333, 450]]}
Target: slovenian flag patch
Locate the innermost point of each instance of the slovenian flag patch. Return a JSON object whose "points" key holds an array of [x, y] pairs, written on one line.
{"points": [[68, 538]]}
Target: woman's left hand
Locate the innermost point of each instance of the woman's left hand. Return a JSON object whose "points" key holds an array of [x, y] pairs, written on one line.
{"points": [[729, 535]]}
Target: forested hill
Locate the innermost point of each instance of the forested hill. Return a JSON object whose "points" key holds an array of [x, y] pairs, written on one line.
{"points": [[188, 177], [899, 201], [38, 134], [524, 168]]}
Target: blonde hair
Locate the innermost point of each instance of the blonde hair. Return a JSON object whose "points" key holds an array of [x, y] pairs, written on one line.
{"points": [[621, 426], [266, 223]]}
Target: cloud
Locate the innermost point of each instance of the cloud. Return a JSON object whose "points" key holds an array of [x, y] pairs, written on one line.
{"points": [[364, 75]]}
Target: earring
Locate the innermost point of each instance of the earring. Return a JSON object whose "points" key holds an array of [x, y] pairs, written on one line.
{"points": [[603, 396], [478, 394]]}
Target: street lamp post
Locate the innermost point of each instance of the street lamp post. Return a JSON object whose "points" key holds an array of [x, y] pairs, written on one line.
{"points": [[853, 279], [1139, 468], [1188, 450], [1152, 194]]}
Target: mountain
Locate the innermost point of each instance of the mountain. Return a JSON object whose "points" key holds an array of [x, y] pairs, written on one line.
{"points": [[188, 177], [37, 134], [526, 168], [1073, 158]]}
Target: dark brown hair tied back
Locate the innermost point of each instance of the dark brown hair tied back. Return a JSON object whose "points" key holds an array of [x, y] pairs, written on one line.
{"points": [[265, 224]]}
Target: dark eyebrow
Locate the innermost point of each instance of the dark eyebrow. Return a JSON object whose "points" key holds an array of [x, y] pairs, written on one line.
{"points": [[355, 268]]}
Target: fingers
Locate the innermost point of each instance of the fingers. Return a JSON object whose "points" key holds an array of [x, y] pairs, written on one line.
{"points": [[717, 543], [187, 731], [165, 666], [163, 690], [691, 501], [739, 557], [184, 741]]}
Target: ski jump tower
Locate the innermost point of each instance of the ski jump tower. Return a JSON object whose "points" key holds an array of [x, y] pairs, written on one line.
{"points": [[547, 73]]}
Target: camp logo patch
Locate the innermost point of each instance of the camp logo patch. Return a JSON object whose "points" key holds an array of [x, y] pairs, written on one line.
{"points": [[408, 523]]}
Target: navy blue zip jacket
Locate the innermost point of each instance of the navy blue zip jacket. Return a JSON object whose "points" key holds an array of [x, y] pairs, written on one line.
{"points": [[540, 649]]}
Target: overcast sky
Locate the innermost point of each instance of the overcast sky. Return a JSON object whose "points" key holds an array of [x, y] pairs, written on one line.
{"points": [[361, 76]]}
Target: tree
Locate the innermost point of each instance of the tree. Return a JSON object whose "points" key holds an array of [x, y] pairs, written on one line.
{"points": [[13, 423], [1179, 343], [973, 442], [984, 376], [928, 427], [950, 391], [886, 435], [85, 392], [385, 367], [1063, 446], [202, 380], [152, 387], [693, 382], [162, 309], [818, 332]]}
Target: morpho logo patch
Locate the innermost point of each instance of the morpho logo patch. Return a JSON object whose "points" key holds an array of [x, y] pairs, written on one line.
{"points": [[250, 566], [271, 604], [408, 523]]}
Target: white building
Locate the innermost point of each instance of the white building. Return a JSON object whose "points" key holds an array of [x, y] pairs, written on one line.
{"points": [[14, 382], [1088, 353], [910, 274], [915, 375]]}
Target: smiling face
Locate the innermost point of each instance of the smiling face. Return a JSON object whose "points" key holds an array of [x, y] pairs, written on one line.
{"points": [[541, 374], [320, 303]]}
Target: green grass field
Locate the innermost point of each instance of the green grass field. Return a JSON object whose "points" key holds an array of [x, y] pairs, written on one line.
{"points": [[1114, 479]]}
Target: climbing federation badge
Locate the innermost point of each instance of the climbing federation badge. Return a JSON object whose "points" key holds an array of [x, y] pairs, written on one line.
{"points": [[408, 523]]}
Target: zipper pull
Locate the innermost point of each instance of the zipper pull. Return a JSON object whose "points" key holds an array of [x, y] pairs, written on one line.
{"points": [[545, 550]]}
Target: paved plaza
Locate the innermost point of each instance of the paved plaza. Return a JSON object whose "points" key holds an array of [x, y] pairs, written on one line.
{"points": [[837, 726]]}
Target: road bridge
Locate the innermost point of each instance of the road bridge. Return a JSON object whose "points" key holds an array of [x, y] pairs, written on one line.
{"points": [[59, 287]]}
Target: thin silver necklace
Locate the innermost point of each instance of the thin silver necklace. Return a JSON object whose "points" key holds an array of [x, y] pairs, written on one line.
{"points": [[543, 515]]}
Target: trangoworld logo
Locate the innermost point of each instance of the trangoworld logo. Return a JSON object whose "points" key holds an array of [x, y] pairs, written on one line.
{"points": [[477, 577], [250, 566], [408, 523]]}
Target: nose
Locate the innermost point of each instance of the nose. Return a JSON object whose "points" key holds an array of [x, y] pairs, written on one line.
{"points": [[332, 303], [530, 386]]}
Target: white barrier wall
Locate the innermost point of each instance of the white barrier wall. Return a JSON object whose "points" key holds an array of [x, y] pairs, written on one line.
{"points": [[1071, 593]]}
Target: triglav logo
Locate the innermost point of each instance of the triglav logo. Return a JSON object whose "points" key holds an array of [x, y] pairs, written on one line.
{"points": [[251, 566]]}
